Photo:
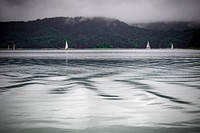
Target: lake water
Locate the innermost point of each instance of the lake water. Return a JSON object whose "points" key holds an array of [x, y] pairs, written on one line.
{"points": [[103, 91]]}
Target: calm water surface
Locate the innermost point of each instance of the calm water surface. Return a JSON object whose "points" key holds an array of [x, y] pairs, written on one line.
{"points": [[100, 91]]}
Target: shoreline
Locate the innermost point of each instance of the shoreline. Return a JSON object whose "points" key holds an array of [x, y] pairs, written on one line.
{"points": [[94, 50], [99, 49]]}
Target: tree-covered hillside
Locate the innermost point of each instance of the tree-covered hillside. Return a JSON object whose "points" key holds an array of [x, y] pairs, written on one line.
{"points": [[82, 32], [195, 43]]}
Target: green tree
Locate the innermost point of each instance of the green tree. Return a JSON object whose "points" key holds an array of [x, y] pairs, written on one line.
{"points": [[104, 45]]}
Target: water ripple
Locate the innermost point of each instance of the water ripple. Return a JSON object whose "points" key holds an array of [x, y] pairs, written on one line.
{"points": [[168, 97], [88, 89]]}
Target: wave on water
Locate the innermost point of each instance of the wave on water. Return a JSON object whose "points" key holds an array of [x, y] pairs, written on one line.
{"points": [[87, 90]]}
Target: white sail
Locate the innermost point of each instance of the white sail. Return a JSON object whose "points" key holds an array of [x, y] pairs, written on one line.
{"points": [[66, 45], [14, 47], [172, 46], [148, 45]]}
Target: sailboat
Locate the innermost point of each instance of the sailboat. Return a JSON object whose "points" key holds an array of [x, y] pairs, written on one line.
{"points": [[172, 46], [66, 45], [14, 47], [148, 45]]}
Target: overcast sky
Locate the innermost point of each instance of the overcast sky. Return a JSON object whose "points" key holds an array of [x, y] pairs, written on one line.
{"points": [[131, 11]]}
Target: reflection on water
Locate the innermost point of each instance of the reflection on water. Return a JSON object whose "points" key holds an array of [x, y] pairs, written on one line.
{"points": [[100, 91]]}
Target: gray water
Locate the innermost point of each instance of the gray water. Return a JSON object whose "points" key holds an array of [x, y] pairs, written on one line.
{"points": [[100, 91]]}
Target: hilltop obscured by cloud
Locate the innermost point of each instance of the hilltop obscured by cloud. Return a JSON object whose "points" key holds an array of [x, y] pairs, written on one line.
{"points": [[130, 11]]}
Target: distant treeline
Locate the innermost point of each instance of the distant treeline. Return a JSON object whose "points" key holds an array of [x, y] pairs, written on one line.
{"points": [[96, 32]]}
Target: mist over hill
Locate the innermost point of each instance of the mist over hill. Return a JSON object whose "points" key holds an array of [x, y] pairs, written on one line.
{"points": [[84, 32], [166, 26]]}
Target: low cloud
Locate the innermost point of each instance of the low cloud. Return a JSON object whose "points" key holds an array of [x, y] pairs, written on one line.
{"points": [[131, 11]]}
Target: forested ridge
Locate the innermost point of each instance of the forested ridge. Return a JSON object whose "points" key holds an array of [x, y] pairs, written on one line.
{"points": [[83, 32]]}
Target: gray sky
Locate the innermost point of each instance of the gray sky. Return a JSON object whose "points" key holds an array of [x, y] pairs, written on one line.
{"points": [[131, 11]]}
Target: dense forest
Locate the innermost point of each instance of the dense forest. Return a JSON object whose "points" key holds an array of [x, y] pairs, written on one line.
{"points": [[195, 43], [97, 32]]}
